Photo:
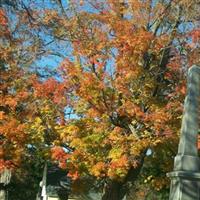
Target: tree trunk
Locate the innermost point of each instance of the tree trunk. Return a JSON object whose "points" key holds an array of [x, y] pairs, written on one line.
{"points": [[116, 190], [113, 191]]}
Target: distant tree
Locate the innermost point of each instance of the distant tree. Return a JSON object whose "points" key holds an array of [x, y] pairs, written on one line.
{"points": [[26, 118]]}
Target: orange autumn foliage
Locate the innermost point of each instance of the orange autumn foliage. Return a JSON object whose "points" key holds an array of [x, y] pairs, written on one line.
{"points": [[122, 78], [26, 117]]}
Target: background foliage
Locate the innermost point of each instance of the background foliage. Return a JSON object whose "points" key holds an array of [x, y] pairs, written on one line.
{"points": [[101, 81]]}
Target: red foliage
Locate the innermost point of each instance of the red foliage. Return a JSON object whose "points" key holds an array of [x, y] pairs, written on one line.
{"points": [[195, 35], [3, 18], [5, 165], [58, 154], [50, 89], [73, 175]]}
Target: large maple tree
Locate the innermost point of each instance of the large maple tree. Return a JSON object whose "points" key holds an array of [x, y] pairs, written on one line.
{"points": [[126, 77]]}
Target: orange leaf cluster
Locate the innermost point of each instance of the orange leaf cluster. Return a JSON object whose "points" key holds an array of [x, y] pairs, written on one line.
{"points": [[3, 18], [49, 88]]}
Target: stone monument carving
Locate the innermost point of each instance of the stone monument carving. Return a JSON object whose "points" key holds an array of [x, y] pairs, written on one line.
{"points": [[185, 179]]}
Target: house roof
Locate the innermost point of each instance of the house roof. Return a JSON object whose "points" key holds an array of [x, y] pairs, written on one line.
{"points": [[55, 181]]}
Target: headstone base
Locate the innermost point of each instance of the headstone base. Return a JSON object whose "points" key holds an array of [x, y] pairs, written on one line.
{"points": [[184, 185]]}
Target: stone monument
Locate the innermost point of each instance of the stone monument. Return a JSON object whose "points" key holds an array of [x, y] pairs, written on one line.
{"points": [[185, 179]]}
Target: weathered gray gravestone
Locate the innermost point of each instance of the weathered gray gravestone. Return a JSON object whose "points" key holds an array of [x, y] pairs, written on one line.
{"points": [[185, 179]]}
